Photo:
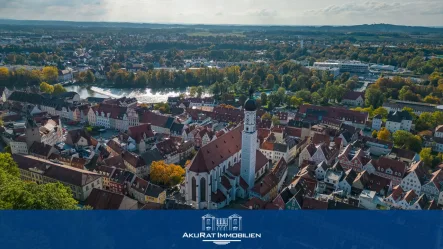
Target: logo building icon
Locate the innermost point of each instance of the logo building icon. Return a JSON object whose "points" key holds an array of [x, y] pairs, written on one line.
{"points": [[210, 223]]}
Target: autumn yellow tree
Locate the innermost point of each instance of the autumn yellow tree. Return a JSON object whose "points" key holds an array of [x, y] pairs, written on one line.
{"points": [[50, 74], [46, 88], [266, 116], [4, 75], [166, 174], [58, 88], [384, 134]]}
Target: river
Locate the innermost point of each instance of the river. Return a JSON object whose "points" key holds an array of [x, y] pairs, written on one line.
{"points": [[142, 95]]}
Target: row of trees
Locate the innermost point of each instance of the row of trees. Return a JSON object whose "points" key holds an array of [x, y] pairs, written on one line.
{"points": [[52, 89], [23, 77]]}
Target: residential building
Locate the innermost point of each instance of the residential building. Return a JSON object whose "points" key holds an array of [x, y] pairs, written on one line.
{"points": [[415, 178], [42, 171], [353, 98], [399, 120], [417, 107], [377, 122], [135, 164], [146, 192], [101, 199]]}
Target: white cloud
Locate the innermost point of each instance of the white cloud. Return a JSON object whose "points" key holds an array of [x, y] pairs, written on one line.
{"points": [[289, 12]]}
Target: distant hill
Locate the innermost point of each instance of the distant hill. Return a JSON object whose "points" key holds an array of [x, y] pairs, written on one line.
{"points": [[354, 28]]}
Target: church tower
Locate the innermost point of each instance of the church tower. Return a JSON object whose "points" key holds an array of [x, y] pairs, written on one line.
{"points": [[249, 141]]}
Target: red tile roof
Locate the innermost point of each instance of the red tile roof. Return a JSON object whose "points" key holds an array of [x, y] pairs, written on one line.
{"points": [[337, 113], [387, 163], [293, 132], [138, 132], [314, 204], [320, 138], [264, 186], [225, 182], [351, 95], [218, 197], [397, 192]]}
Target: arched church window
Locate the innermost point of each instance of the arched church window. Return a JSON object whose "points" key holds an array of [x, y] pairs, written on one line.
{"points": [[203, 189], [194, 189]]}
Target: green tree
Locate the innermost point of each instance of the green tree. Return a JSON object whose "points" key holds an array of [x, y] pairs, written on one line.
{"points": [[199, 91], [316, 98], [380, 111], [275, 120], [406, 140], [266, 116], [18, 194], [374, 97], [264, 98], [58, 88], [374, 134], [270, 81], [193, 91], [304, 94], [426, 156], [296, 102], [46, 88], [89, 77], [281, 92]]}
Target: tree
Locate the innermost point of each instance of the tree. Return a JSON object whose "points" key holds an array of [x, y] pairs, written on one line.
{"points": [[162, 107], [304, 94], [58, 88], [275, 120], [374, 134], [199, 91], [192, 91], [166, 174], [384, 134], [426, 156], [274, 100], [266, 116], [380, 111], [406, 140], [270, 81], [281, 92], [46, 88], [18, 194], [264, 98], [4, 76], [50, 74], [296, 102], [432, 100], [374, 97], [89, 77], [316, 98]]}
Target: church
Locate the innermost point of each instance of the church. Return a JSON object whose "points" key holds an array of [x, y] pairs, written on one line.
{"points": [[227, 168]]}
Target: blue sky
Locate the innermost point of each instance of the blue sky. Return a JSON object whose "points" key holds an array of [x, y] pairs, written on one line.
{"points": [[256, 12]]}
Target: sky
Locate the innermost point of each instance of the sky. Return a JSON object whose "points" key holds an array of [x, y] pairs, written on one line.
{"points": [[251, 12]]}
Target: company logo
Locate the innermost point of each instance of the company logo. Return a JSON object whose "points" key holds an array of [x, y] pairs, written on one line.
{"points": [[221, 231]]}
